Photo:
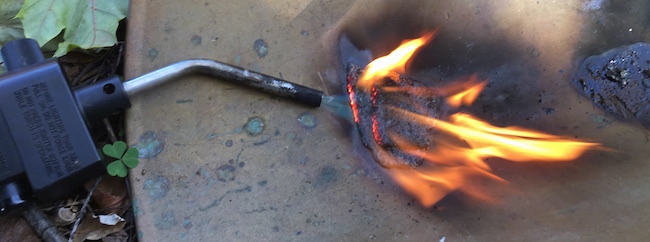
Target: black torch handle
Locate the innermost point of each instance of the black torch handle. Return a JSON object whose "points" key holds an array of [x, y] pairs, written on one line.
{"points": [[235, 74]]}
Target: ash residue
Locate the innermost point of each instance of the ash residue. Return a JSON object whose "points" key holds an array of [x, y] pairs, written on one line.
{"points": [[618, 82]]}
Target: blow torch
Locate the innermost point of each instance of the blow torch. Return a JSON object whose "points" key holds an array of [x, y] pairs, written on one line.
{"points": [[46, 150]]}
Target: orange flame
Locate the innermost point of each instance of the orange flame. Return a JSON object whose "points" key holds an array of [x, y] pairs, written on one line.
{"points": [[472, 88], [451, 163], [512, 143], [393, 62]]}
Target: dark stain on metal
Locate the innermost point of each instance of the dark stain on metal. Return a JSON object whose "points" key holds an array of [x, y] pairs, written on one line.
{"points": [[315, 220], [304, 160], [187, 223], [152, 53], [211, 136], [217, 201], [196, 40], [136, 207], [261, 48], [149, 145], [207, 176], [238, 155], [548, 110], [254, 126], [260, 210], [226, 173], [228, 143], [308, 120], [328, 174], [240, 164], [533, 52], [165, 220], [168, 28], [237, 60], [157, 186], [262, 183], [291, 136], [181, 101], [601, 121], [265, 139]]}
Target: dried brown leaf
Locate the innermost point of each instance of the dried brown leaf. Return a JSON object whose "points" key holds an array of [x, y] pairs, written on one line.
{"points": [[91, 229]]}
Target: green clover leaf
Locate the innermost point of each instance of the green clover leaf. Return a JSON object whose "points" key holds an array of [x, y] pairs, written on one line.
{"points": [[116, 168], [130, 158], [124, 158], [115, 150]]}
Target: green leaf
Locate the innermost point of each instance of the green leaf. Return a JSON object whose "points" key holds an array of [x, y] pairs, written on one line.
{"points": [[88, 23], [10, 33], [44, 19], [115, 150], [116, 168], [92, 24], [130, 158], [9, 9], [10, 27]]}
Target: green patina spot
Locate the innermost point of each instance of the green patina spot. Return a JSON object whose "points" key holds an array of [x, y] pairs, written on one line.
{"points": [[262, 183], [261, 48], [254, 126], [308, 120], [149, 145]]}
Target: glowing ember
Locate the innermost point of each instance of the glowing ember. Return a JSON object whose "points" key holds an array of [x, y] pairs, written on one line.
{"points": [[397, 118]]}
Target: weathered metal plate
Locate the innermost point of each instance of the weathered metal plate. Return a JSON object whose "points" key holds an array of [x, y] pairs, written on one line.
{"points": [[227, 163]]}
